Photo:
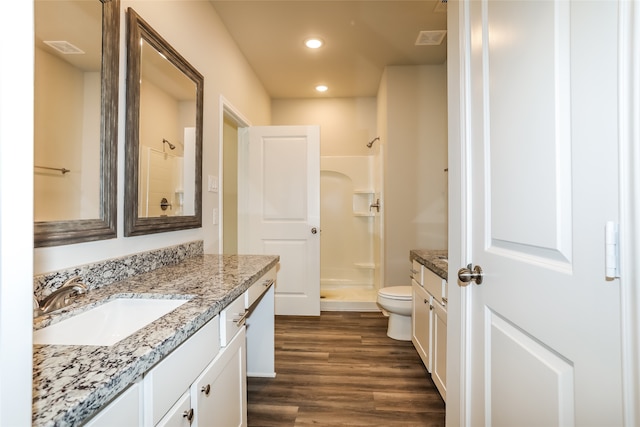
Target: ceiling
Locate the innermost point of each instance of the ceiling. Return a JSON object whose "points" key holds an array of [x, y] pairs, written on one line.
{"points": [[361, 37]]}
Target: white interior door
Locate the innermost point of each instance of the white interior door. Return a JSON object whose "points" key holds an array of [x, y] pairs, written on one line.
{"points": [[280, 210], [539, 95]]}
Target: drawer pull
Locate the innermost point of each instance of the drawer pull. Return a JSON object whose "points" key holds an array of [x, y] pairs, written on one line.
{"points": [[425, 301], [242, 319], [268, 283], [206, 389], [188, 415]]}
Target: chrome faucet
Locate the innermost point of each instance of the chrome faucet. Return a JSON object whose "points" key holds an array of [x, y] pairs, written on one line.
{"points": [[61, 297]]}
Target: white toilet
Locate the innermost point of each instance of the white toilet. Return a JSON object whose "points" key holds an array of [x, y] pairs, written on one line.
{"points": [[397, 301]]}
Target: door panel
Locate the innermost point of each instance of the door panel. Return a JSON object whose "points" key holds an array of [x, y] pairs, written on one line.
{"points": [[546, 375], [282, 199], [528, 142], [542, 183]]}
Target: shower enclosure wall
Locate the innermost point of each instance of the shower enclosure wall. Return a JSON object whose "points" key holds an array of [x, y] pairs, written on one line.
{"points": [[349, 243]]}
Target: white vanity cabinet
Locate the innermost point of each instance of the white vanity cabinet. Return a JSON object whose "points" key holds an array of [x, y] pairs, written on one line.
{"points": [[429, 322]]}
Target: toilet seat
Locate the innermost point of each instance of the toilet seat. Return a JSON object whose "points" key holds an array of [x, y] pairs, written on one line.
{"points": [[400, 293]]}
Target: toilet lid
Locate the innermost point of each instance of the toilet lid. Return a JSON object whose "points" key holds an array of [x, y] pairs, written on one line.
{"points": [[396, 292]]}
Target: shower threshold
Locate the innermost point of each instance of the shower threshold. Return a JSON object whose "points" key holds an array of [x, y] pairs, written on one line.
{"points": [[348, 299]]}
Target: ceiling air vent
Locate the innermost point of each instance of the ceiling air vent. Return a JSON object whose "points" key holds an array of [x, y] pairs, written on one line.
{"points": [[430, 38], [64, 47], [441, 6]]}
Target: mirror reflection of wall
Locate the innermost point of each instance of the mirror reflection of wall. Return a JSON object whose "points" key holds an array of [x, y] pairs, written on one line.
{"points": [[167, 137], [67, 110]]}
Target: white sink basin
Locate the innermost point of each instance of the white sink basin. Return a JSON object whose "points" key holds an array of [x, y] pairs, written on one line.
{"points": [[108, 323]]}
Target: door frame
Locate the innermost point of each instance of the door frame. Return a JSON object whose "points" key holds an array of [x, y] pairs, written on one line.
{"points": [[629, 204], [230, 112], [459, 338]]}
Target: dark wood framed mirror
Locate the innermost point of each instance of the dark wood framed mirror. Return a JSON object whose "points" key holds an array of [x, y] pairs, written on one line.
{"points": [[78, 202], [163, 164]]}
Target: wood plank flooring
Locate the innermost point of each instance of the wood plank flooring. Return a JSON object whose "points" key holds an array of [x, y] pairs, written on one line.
{"points": [[341, 369]]}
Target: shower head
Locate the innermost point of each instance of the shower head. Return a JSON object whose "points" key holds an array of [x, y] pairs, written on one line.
{"points": [[370, 144], [171, 146]]}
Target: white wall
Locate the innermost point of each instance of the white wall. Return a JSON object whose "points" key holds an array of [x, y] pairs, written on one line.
{"points": [[412, 118], [195, 30], [346, 124]]}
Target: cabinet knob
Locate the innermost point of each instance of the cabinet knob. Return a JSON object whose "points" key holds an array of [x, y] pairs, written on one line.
{"points": [[430, 307], [425, 301], [206, 389], [188, 415]]}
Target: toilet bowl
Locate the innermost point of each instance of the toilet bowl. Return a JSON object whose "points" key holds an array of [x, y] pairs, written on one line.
{"points": [[397, 302]]}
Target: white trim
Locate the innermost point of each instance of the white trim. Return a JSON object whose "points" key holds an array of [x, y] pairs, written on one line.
{"points": [[16, 213], [629, 164], [226, 109], [459, 325]]}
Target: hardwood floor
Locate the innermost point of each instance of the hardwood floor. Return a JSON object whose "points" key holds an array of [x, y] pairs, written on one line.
{"points": [[341, 369]]}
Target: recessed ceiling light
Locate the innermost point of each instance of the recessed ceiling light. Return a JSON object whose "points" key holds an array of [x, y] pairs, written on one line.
{"points": [[313, 43], [322, 88]]}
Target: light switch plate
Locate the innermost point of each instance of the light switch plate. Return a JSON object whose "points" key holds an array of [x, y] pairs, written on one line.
{"points": [[212, 185]]}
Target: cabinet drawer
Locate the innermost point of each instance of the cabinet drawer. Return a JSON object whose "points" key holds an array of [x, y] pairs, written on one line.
{"points": [[231, 320], [178, 416], [167, 381], [416, 272], [258, 288], [124, 411], [433, 283]]}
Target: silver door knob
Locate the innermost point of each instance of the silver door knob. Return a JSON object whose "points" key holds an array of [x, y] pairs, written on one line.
{"points": [[470, 274]]}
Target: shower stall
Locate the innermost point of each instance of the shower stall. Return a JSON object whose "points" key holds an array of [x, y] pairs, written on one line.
{"points": [[350, 236]]}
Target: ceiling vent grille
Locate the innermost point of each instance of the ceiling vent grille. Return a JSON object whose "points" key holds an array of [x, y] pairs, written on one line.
{"points": [[441, 6], [64, 47], [430, 38]]}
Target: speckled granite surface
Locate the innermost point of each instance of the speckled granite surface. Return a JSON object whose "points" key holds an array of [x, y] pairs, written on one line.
{"points": [[432, 259], [106, 272], [71, 382]]}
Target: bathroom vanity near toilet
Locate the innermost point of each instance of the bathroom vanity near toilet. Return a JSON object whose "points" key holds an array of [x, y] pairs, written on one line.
{"points": [[429, 315]]}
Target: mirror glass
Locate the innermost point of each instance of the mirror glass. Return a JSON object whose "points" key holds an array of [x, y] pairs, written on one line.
{"points": [[75, 120], [164, 135]]}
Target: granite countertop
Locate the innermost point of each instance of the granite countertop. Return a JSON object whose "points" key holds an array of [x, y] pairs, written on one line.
{"points": [[72, 382], [433, 259]]}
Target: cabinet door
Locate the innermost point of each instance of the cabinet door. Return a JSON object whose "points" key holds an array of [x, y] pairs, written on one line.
{"points": [[439, 353], [220, 393], [180, 415], [421, 323]]}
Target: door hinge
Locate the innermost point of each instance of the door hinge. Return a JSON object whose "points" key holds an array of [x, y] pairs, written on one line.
{"points": [[611, 251]]}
